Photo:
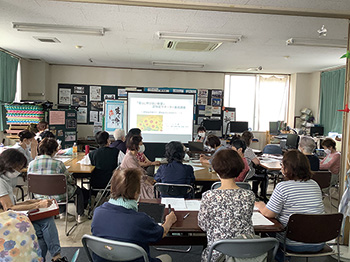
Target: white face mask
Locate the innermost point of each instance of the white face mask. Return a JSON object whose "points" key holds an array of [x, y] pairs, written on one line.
{"points": [[29, 145], [13, 174], [142, 148], [201, 134], [327, 151]]}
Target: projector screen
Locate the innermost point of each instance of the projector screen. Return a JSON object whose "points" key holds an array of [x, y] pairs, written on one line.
{"points": [[162, 117]]}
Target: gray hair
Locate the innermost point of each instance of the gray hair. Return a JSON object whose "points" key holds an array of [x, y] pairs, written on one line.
{"points": [[307, 144], [119, 134]]}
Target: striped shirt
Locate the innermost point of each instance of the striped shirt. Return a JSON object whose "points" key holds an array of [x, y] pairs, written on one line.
{"points": [[295, 197], [44, 164]]}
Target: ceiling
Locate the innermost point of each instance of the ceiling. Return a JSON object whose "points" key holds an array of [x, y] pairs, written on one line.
{"points": [[130, 40]]}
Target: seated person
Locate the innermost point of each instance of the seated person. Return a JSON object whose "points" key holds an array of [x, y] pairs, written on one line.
{"points": [[105, 160], [175, 172], [226, 212], [130, 161], [332, 161], [42, 126], [307, 146], [11, 162], [27, 145], [213, 142], [239, 146], [201, 134], [119, 220], [44, 163], [119, 143], [297, 194]]}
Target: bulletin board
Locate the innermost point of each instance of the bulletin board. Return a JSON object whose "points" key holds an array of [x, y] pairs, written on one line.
{"points": [[209, 104], [90, 99], [115, 115]]}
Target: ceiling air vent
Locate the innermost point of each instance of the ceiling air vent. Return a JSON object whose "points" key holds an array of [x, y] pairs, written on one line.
{"points": [[47, 39], [195, 46]]}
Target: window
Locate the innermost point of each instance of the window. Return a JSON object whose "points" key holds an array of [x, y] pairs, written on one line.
{"points": [[258, 99]]}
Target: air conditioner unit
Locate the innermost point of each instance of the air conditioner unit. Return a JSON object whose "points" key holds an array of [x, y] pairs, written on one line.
{"points": [[194, 46]]}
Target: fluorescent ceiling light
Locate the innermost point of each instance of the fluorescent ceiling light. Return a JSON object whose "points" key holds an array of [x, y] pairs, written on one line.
{"points": [[199, 37], [317, 42], [177, 64], [44, 28]]}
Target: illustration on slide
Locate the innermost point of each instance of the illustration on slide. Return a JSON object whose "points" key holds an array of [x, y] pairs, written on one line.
{"points": [[150, 122]]}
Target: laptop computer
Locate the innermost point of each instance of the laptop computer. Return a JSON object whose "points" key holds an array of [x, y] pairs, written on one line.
{"points": [[155, 211], [195, 146]]}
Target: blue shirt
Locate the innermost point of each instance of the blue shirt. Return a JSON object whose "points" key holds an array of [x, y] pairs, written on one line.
{"points": [[122, 224]]}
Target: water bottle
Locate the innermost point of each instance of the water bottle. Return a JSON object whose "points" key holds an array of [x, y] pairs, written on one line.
{"points": [[75, 149]]}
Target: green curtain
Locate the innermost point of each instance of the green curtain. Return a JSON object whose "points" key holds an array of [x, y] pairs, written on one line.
{"points": [[332, 99], [8, 79]]}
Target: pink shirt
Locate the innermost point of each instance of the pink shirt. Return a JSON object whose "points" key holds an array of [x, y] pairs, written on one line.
{"points": [[244, 172], [331, 162]]}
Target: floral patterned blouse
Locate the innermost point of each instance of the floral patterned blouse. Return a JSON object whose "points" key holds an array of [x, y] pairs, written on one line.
{"points": [[18, 241], [225, 214]]}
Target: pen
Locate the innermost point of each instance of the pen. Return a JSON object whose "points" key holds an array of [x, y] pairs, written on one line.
{"points": [[169, 207], [186, 215]]}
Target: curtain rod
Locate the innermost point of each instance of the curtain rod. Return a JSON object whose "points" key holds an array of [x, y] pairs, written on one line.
{"points": [[10, 53], [333, 68]]}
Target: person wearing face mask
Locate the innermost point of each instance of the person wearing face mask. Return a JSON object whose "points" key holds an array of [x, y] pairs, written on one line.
{"points": [[130, 161], [118, 219], [226, 212], [200, 134], [27, 145], [11, 162], [332, 161], [105, 160], [298, 193]]}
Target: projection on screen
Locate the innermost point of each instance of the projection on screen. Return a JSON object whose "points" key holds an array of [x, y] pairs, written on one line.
{"points": [[162, 117]]}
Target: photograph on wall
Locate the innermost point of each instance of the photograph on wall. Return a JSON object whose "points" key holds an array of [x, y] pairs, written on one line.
{"points": [[216, 102], [109, 96], [202, 101], [93, 116], [96, 106], [82, 115], [79, 100], [64, 95], [114, 115], [60, 132], [71, 123], [216, 110], [71, 114], [216, 93], [53, 131], [122, 93], [190, 91], [203, 93], [79, 90], [70, 137], [95, 93]]}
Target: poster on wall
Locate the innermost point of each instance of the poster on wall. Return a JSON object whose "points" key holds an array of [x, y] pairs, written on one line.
{"points": [[79, 100], [79, 90], [82, 115], [114, 115], [64, 96], [95, 93]]}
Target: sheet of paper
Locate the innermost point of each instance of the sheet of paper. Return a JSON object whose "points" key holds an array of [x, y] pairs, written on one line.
{"points": [[255, 208], [193, 205], [260, 220], [176, 203], [67, 167], [63, 159], [196, 168]]}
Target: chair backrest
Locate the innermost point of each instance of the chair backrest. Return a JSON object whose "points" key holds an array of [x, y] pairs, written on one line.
{"points": [[173, 190], [272, 149], [246, 248], [314, 228], [322, 178], [47, 184], [244, 185], [112, 250]]}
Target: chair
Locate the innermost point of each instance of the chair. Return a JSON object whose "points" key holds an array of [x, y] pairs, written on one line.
{"points": [[173, 190], [314, 228], [272, 149], [323, 179], [244, 185], [112, 250], [246, 248], [50, 185]]}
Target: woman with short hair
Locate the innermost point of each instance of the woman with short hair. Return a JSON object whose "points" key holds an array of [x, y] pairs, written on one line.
{"points": [[213, 142], [45, 164], [226, 212], [297, 194], [119, 220], [332, 161], [27, 145], [119, 137], [307, 146]]}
